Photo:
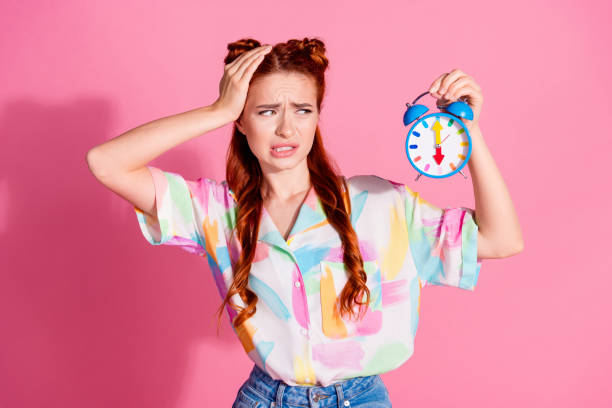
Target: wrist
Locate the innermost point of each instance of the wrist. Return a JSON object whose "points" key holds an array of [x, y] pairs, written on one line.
{"points": [[473, 127], [220, 112]]}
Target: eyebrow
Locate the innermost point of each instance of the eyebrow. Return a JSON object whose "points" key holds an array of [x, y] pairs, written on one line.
{"points": [[276, 105]]}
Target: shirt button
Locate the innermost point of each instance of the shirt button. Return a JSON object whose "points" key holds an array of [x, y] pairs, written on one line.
{"points": [[346, 403], [297, 284], [316, 398]]}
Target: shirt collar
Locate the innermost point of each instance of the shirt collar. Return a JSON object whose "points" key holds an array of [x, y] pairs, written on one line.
{"points": [[310, 216]]}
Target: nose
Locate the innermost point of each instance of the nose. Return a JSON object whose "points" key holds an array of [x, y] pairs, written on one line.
{"points": [[285, 125]]}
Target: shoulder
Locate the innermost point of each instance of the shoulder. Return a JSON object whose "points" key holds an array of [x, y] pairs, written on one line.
{"points": [[221, 192], [373, 184], [203, 190], [208, 191]]}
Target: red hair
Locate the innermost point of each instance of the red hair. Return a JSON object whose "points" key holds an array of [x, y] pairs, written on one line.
{"points": [[244, 177]]}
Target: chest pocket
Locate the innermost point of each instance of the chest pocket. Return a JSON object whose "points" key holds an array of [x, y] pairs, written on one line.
{"points": [[333, 278]]}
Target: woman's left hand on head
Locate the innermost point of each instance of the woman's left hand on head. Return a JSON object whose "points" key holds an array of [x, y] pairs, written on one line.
{"points": [[451, 86]]}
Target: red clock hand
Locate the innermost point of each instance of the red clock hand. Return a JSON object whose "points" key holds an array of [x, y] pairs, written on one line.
{"points": [[438, 157], [436, 129]]}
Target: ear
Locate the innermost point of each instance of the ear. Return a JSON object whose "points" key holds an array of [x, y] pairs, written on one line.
{"points": [[239, 125]]}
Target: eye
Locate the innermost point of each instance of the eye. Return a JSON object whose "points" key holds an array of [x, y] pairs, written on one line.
{"points": [[270, 110]]}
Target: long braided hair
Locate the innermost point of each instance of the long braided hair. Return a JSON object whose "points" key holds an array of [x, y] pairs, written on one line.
{"points": [[244, 177]]}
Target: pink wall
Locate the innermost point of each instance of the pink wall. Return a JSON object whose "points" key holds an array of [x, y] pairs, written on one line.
{"points": [[92, 315]]}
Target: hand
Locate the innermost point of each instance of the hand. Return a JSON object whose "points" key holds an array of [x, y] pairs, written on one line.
{"points": [[234, 84], [451, 86]]}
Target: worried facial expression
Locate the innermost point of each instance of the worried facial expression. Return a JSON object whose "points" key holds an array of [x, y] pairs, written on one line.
{"points": [[280, 109]]}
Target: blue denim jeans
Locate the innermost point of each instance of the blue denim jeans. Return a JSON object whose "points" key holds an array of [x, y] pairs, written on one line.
{"points": [[262, 391]]}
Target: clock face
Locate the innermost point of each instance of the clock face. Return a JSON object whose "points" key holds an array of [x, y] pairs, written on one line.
{"points": [[438, 145]]}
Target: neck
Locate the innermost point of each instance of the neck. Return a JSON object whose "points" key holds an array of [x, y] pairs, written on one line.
{"points": [[282, 186]]}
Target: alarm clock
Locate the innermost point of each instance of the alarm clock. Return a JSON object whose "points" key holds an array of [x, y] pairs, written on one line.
{"points": [[438, 145]]}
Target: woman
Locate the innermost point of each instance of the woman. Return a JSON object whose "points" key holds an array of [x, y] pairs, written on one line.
{"points": [[320, 275]]}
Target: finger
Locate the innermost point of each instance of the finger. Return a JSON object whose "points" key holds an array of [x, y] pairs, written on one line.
{"points": [[469, 94], [245, 58], [250, 66], [433, 89], [242, 56], [448, 80], [237, 60], [249, 69], [451, 92], [442, 101], [474, 95]]}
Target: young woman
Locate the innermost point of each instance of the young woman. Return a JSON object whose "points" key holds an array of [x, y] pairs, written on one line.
{"points": [[320, 275]]}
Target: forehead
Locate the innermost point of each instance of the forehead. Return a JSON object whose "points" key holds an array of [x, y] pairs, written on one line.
{"points": [[272, 87]]}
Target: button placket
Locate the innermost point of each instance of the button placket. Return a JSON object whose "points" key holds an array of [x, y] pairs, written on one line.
{"points": [[300, 284]]}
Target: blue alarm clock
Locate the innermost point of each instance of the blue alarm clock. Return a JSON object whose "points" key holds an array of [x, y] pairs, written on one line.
{"points": [[438, 145]]}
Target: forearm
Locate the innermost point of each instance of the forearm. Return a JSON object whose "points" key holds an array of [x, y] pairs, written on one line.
{"points": [[137, 147], [495, 216]]}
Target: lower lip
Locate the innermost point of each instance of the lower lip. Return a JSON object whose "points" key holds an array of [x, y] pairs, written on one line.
{"points": [[285, 153]]}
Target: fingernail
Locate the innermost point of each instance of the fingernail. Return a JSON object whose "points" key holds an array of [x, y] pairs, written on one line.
{"points": [[442, 91]]}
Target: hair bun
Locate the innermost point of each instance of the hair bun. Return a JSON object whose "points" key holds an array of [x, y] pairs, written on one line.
{"points": [[247, 43], [314, 45], [239, 47], [316, 49]]}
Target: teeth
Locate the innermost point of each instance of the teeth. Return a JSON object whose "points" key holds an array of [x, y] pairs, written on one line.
{"points": [[282, 149]]}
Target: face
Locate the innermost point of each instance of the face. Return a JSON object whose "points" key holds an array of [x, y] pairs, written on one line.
{"points": [[289, 116]]}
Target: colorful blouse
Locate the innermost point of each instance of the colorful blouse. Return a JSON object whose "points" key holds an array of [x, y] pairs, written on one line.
{"points": [[295, 335]]}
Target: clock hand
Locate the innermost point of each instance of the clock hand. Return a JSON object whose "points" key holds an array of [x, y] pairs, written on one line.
{"points": [[438, 157], [437, 127]]}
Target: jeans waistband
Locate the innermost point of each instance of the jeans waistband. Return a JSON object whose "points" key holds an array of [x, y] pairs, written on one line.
{"points": [[310, 396]]}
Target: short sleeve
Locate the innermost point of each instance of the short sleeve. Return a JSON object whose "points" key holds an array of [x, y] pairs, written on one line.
{"points": [[186, 212], [443, 242]]}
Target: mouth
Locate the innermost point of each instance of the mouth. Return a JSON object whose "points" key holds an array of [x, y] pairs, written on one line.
{"points": [[282, 147]]}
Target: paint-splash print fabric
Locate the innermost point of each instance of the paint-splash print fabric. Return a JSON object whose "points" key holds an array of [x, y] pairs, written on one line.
{"points": [[296, 335]]}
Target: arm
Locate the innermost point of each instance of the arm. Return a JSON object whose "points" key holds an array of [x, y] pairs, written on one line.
{"points": [[137, 147], [120, 163], [499, 232]]}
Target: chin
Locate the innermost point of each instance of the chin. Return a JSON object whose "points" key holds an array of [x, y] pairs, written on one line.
{"points": [[286, 163]]}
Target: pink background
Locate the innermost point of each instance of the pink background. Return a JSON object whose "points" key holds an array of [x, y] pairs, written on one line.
{"points": [[92, 315]]}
